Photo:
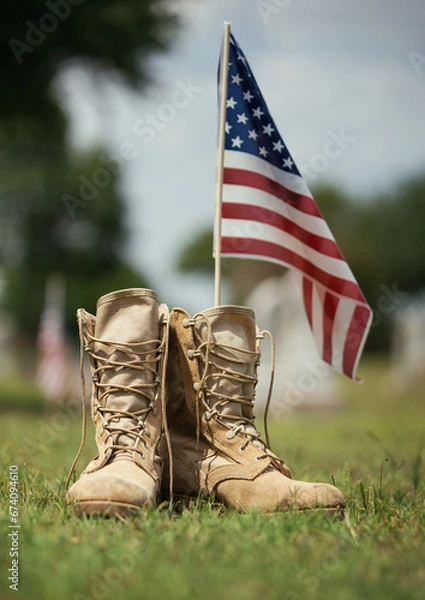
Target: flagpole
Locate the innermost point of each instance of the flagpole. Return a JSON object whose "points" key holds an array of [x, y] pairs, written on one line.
{"points": [[220, 161]]}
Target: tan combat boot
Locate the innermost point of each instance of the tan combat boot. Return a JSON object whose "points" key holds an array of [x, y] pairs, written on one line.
{"points": [[216, 449], [125, 344]]}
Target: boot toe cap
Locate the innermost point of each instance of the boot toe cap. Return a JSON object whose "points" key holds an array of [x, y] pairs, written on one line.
{"points": [[274, 491], [305, 496], [115, 489]]}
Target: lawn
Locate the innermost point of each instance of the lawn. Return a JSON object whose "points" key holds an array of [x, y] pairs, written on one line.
{"points": [[372, 446]]}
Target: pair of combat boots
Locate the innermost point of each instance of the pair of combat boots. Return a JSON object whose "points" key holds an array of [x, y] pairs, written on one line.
{"points": [[172, 404]]}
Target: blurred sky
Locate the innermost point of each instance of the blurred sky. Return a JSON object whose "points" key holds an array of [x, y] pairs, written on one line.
{"points": [[334, 67]]}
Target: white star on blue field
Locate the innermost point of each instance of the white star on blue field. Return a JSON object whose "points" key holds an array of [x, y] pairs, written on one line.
{"points": [[249, 125]]}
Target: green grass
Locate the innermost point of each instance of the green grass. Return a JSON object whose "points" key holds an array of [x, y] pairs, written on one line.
{"points": [[372, 446]]}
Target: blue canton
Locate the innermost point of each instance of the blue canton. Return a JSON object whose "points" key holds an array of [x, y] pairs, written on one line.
{"points": [[249, 125]]}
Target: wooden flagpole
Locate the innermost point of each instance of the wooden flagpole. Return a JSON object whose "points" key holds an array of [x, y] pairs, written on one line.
{"points": [[220, 161]]}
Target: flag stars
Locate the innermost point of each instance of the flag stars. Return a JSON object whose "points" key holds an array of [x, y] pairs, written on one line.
{"points": [[268, 129], [288, 163], [237, 79], [231, 103], [278, 146], [252, 134], [263, 151], [242, 118], [242, 58], [258, 113], [237, 142], [228, 127], [248, 96]]}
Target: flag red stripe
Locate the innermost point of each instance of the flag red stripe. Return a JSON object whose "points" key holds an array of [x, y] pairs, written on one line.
{"points": [[330, 305], [354, 338], [239, 245], [261, 182], [308, 299], [232, 210]]}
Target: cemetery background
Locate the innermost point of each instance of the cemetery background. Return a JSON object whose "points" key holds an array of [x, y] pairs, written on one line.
{"points": [[368, 437]]}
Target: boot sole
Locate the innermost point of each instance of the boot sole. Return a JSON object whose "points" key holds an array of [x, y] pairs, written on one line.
{"points": [[105, 509]]}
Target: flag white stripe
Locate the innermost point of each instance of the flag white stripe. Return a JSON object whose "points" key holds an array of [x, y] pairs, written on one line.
{"points": [[255, 230], [249, 162], [343, 316], [317, 315], [239, 194]]}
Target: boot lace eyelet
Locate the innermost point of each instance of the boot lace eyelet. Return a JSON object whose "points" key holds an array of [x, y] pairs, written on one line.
{"points": [[153, 407], [208, 414]]}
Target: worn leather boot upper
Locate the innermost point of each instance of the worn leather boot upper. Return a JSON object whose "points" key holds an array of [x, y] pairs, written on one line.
{"points": [[216, 449], [125, 345]]}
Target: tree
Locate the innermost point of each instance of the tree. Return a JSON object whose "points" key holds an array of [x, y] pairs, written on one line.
{"points": [[62, 212]]}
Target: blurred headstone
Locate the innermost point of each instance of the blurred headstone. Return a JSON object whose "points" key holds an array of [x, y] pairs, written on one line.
{"points": [[408, 345], [302, 379]]}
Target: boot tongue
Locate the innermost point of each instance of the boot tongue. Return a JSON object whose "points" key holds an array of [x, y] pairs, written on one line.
{"points": [[232, 331], [127, 318]]}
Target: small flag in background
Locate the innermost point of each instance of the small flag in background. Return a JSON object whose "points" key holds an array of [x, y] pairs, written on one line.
{"points": [[269, 213], [53, 354]]}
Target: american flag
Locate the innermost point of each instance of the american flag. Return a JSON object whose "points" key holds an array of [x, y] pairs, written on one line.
{"points": [[269, 213], [53, 369]]}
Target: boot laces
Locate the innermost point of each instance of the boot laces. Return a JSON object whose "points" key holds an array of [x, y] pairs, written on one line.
{"points": [[215, 402], [138, 360]]}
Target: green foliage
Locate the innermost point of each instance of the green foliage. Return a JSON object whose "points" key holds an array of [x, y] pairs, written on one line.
{"points": [[84, 241], [398, 241], [197, 255], [17, 394], [61, 213], [39, 37]]}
